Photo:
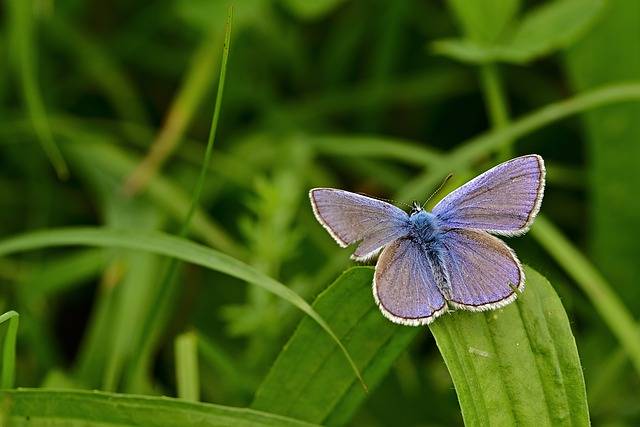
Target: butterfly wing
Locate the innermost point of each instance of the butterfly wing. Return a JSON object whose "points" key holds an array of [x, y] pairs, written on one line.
{"points": [[483, 271], [503, 200], [351, 218], [404, 287]]}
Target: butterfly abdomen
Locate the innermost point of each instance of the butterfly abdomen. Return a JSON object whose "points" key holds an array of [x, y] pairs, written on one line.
{"points": [[426, 231]]}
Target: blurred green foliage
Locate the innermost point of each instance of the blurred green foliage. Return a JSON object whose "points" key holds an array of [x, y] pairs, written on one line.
{"points": [[373, 96]]}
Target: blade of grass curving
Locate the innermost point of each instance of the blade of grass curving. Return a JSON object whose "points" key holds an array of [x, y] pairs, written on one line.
{"points": [[308, 380], [518, 365], [607, 304], [9, 349], [37, 407], [187, 376], [171, 246], [470, 151], [153, 321], [22, 31]]}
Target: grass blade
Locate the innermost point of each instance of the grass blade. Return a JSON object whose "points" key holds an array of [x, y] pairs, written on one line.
{"points": [[36, 407], [309, 381], [512, 366], [470, 151], [176, 247], [153, 322]]}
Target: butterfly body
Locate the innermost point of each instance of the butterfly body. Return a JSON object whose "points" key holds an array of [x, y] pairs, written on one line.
{"points": [[425, 227], [431, 262]]}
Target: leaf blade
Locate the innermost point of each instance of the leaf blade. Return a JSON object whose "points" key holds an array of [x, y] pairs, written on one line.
{"points": [[307, 382], [176, 247], [36, 407], [471, 344], [543, 385]]}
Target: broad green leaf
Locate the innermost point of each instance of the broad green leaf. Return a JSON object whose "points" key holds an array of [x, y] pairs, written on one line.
{"points": [[175, 247], [518, 365], [38, 407], [553, 26], [484, 20], [308, 380]]}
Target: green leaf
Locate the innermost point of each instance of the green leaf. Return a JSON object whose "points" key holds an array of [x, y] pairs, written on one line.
{"points": [[164, 244], [518, 365], [484, 20], [553, 26], [309, 381], [68, 408]]}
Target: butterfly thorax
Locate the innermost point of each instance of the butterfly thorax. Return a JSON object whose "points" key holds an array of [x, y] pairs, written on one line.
{"points": [[426, 230], [425, 227]]}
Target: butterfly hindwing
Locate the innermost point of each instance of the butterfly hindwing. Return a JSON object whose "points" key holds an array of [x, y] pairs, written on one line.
{"points": [[483, 271], [351, 218], [404, 286], [503, 200]]}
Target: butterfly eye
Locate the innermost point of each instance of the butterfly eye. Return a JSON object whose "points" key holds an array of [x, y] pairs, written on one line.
{"points": [[415, 207]]}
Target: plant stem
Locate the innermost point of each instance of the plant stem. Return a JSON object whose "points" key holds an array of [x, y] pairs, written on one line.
{"points": [[164, 291], [496, 101], [187, 376]]}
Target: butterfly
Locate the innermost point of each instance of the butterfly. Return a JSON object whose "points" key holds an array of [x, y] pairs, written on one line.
{"points": [[433, 262]]}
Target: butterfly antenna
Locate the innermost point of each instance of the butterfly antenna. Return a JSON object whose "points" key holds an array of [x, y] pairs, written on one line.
{"points": [[444, 181]]}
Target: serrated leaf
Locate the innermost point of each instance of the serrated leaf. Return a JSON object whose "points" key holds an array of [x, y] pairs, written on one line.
{"points": [[517, 365], [74, 408], [553, 26]]}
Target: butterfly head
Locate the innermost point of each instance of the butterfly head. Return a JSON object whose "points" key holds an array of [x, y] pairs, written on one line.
{"points": [[415, 208]]}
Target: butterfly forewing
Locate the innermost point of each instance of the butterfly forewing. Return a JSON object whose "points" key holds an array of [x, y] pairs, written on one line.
{"points": [[351, 218], [504, 200], [483, 271], [404, 286]]}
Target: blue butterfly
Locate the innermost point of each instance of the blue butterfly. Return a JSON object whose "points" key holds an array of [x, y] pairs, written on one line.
{"points": [[445, 259]]}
